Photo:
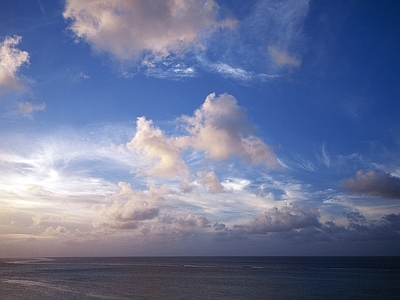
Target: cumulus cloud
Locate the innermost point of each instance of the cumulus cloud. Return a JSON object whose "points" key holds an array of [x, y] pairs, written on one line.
{"points": [[11, 59], [129, 207], [220, 129], [373, 183], [130, 29], [158, 150], [279, 220]]}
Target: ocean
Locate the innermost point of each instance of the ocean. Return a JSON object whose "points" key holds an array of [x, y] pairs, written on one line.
{"points": [[201, 278]]}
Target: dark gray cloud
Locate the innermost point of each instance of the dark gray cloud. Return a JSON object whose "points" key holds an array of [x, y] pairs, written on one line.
{"points": [[354, 216], [374, 184], [392, 221], [279, 220], [289, 223]]}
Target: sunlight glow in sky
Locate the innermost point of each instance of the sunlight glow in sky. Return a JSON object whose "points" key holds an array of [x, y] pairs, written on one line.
{"points": [[210, 127]]}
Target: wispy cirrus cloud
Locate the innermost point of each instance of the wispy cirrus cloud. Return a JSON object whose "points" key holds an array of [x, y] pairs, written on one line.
{"points": [[246, 53]]}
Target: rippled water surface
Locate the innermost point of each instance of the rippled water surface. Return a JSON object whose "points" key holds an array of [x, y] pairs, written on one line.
{"points": [[201, 278]]}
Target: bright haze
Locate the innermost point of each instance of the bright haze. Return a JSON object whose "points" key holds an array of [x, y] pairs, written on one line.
{"points": [[207, 127]]}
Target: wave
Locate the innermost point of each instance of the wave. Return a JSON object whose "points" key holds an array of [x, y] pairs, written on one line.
{"points": [[40, 260], [32, 283]]}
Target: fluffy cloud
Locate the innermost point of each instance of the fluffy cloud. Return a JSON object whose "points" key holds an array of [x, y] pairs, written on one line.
{"points": [[128, 29], [11, 59], [129, 207], [220, 129], [374, 184], [159, 151]]}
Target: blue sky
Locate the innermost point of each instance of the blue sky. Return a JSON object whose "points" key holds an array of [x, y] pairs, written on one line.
{"points": [[199, 128]]}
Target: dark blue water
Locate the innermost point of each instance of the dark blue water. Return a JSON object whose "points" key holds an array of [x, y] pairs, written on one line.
{"points": [[201, 278]]}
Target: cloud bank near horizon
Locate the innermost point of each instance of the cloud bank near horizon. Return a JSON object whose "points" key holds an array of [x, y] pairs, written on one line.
{"points": [[180, 187]]}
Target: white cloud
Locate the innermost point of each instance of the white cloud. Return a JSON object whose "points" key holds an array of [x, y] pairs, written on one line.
{"points": [[11, 59], [158, 151], [129, 29], [220, 129]]}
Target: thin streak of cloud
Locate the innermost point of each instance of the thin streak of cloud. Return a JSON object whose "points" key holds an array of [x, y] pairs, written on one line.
{"points": [[238, 73], [27, 108], [220, 129], [325, 156], [177, 71], [42, 10]]}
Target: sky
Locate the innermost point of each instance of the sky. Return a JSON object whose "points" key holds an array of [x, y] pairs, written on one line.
{"points": [[204, 127]]}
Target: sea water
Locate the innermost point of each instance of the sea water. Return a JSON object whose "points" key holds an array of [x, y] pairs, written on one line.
{"points": [[201, 278]]}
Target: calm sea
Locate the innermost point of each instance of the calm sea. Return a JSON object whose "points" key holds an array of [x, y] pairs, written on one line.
{"points": [[201, 278]]}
